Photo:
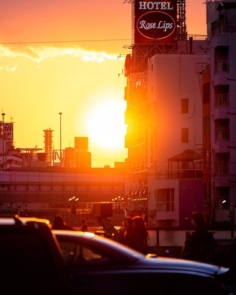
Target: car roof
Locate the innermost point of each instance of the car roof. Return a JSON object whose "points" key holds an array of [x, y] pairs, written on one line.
{"points": [[17, 220], [111, 247], [126, 254], [15, 229]]}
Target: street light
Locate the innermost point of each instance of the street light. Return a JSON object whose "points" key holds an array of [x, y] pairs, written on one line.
{"points": [[3, 114], [60, 137], [73, 200]]}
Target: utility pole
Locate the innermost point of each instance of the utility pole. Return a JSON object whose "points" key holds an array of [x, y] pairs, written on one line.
{"points": [[3, 133], [60, 137]]}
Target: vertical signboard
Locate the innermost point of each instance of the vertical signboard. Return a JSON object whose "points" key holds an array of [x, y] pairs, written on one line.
{"points": [[154, 21], [7, 133]]}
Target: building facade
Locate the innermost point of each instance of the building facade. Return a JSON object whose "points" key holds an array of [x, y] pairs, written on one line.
{"points": [[164, 114], [180, 116], [53, 187], [219, 118], [30, 180], [164, 134]]}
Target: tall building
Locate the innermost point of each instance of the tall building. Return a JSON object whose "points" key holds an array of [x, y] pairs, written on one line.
{"points": [[82, 155], [48, 146], [219, 113], [180, 114], [164, 114]]}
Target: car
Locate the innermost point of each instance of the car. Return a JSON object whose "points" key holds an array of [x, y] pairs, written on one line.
{"points": [[30, 258], [98, 265]]}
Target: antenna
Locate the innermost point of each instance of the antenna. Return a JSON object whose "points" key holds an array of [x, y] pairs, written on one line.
{"points": [[120, 56], [122, 72]]}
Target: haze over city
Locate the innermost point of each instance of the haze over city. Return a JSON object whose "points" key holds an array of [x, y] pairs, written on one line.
{"points": [[68, 56]]}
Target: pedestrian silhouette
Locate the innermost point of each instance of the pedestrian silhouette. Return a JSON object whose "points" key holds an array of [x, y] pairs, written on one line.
{"points": [[125, 234], [139, 235], [109, 229], [199, 245], [59, 223], [84, 226]]}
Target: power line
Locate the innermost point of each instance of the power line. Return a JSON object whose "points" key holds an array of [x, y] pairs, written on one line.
{"points": [[53, 42]]}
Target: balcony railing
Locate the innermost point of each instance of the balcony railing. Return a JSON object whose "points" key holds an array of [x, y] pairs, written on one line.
{"points": [[219, 26], [180, 174]]}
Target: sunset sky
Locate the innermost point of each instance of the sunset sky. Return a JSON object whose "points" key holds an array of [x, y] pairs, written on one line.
{"points": [[67, 56]]}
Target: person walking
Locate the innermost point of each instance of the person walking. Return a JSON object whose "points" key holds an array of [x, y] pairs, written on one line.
{"points": [[125, 236], [59, 223], [201, 244], [84, 226]]}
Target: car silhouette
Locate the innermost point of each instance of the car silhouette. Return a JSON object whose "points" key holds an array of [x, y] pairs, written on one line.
{"points": [[97, 265]]}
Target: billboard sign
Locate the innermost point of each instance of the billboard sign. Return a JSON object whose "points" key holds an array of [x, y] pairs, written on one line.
{"points": [[154, 21], [58, 155]]}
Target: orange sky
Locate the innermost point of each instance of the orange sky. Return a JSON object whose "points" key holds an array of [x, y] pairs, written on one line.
{"points": [[41, 75]]}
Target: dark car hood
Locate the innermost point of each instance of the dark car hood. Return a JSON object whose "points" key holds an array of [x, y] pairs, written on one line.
{"points": [[182, 265]]}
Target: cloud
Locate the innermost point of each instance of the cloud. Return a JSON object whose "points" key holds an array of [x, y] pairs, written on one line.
{"points": [[41, 53], [11, 69], [8, 68]]}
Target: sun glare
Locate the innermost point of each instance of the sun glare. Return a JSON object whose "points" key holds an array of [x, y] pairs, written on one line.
{"points": [[105, 124]]}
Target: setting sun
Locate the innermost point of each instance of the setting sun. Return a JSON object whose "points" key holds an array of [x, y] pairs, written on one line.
{"points": [[105, 124]]}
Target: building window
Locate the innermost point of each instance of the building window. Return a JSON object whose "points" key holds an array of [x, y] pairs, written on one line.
{"points": [[221, 66], [221, 164], [222, 95], [221, 59], [184, 135], [221, 168], [165, 199], [222, 132], [184, 105], [222, 198]]}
